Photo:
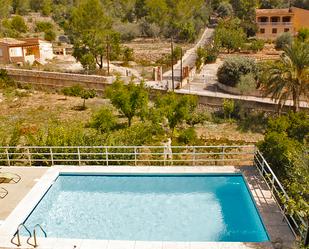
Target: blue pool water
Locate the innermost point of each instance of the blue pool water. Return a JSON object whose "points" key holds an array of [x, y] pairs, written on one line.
{"points": [[150, 208]]}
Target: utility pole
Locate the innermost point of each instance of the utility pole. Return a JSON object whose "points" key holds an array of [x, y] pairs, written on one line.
{"points": [[172, 53], [107, 55], [181, 76]]}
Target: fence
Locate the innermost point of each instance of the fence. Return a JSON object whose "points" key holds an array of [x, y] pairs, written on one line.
{"points": [[127, 155], [156, 156], [297, 224]]}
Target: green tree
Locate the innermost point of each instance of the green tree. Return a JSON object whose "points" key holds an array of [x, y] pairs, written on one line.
{"points": [[230, 38], [225, 9], [303, 34], [49, 35], [272, 4], [46, 7], [35, 5], [175, 108], [18, 23], [104, 120], [245, 9], [5, 7], [88, 34], [288, 78], [131, 100], [87, 94], [79, 91], [20, 6]]}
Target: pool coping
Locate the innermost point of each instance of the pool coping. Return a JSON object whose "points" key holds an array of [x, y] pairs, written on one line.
{"points": [[25, 207]]}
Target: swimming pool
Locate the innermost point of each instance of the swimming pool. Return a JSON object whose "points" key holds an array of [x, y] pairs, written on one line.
{"points": [[150, 208]]}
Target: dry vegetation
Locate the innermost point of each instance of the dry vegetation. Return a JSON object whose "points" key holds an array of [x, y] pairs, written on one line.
{"points": [[34, 110]]}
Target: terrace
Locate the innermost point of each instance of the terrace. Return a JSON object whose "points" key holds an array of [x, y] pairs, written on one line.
{"points": [[246, 160]]}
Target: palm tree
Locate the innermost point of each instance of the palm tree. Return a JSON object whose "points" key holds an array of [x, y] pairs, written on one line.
{"points": [[288, 78]]}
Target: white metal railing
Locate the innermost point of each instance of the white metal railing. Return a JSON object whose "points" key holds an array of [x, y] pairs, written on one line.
{"points": [[127, 155], [296, 223], [154, 156]]}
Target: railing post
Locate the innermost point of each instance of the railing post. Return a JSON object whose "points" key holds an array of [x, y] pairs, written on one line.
{"points": [[193, 155], [29, 156], [51, 156], [78, 152], [272, 184], [223, 156], [8, 156], [135, 156], [106, 156], [34, 237]]}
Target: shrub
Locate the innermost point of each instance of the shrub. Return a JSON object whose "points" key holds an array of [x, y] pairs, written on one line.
{"points": [[188, 136], [43, 26], [186, 32], [257, 45], [149, 29], [233, 68], [247, 83], [225, 9], [18, 23], [211, 54], [303, 34], [104, 120], [228, 108], [128, 31], [49, 35], [5, 80], [128, 54], [72, 91], [283, 40]]}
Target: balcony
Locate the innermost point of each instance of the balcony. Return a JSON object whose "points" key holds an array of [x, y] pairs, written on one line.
{"points": [[275, 23]]}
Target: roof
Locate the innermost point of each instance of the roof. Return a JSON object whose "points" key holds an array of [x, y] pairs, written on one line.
{"points": [[285, 11], [11, 41]]}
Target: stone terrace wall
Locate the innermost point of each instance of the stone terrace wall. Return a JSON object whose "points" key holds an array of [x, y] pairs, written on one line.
{"points": [[55, 80]]}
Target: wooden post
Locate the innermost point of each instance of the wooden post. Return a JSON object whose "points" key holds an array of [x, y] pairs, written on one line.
{"points": [[135, 156]]}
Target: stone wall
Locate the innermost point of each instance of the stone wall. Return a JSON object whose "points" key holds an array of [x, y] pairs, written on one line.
{"points": [[55, 80]]}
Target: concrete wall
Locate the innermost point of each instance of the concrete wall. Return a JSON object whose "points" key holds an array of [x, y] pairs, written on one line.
{"points": [[301, 18], [236, 91], [54, 80]]}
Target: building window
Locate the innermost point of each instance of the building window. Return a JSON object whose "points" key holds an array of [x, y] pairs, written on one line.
{"points": [[286, 19], [275, 19], [263, 19], [274, 31], [286, 30], [262, 31], [1, 52]]}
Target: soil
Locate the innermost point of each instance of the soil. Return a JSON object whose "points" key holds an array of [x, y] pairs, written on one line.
{"points": [[34, 109]]}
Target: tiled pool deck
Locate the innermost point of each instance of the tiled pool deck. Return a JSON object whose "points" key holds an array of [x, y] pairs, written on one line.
{"points": [[28, 193]]}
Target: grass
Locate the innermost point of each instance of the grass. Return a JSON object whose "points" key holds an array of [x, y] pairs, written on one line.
{"points": [[32, 111]]}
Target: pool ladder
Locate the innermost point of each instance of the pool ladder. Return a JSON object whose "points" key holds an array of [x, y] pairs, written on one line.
{"points": [[17, 235]]}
